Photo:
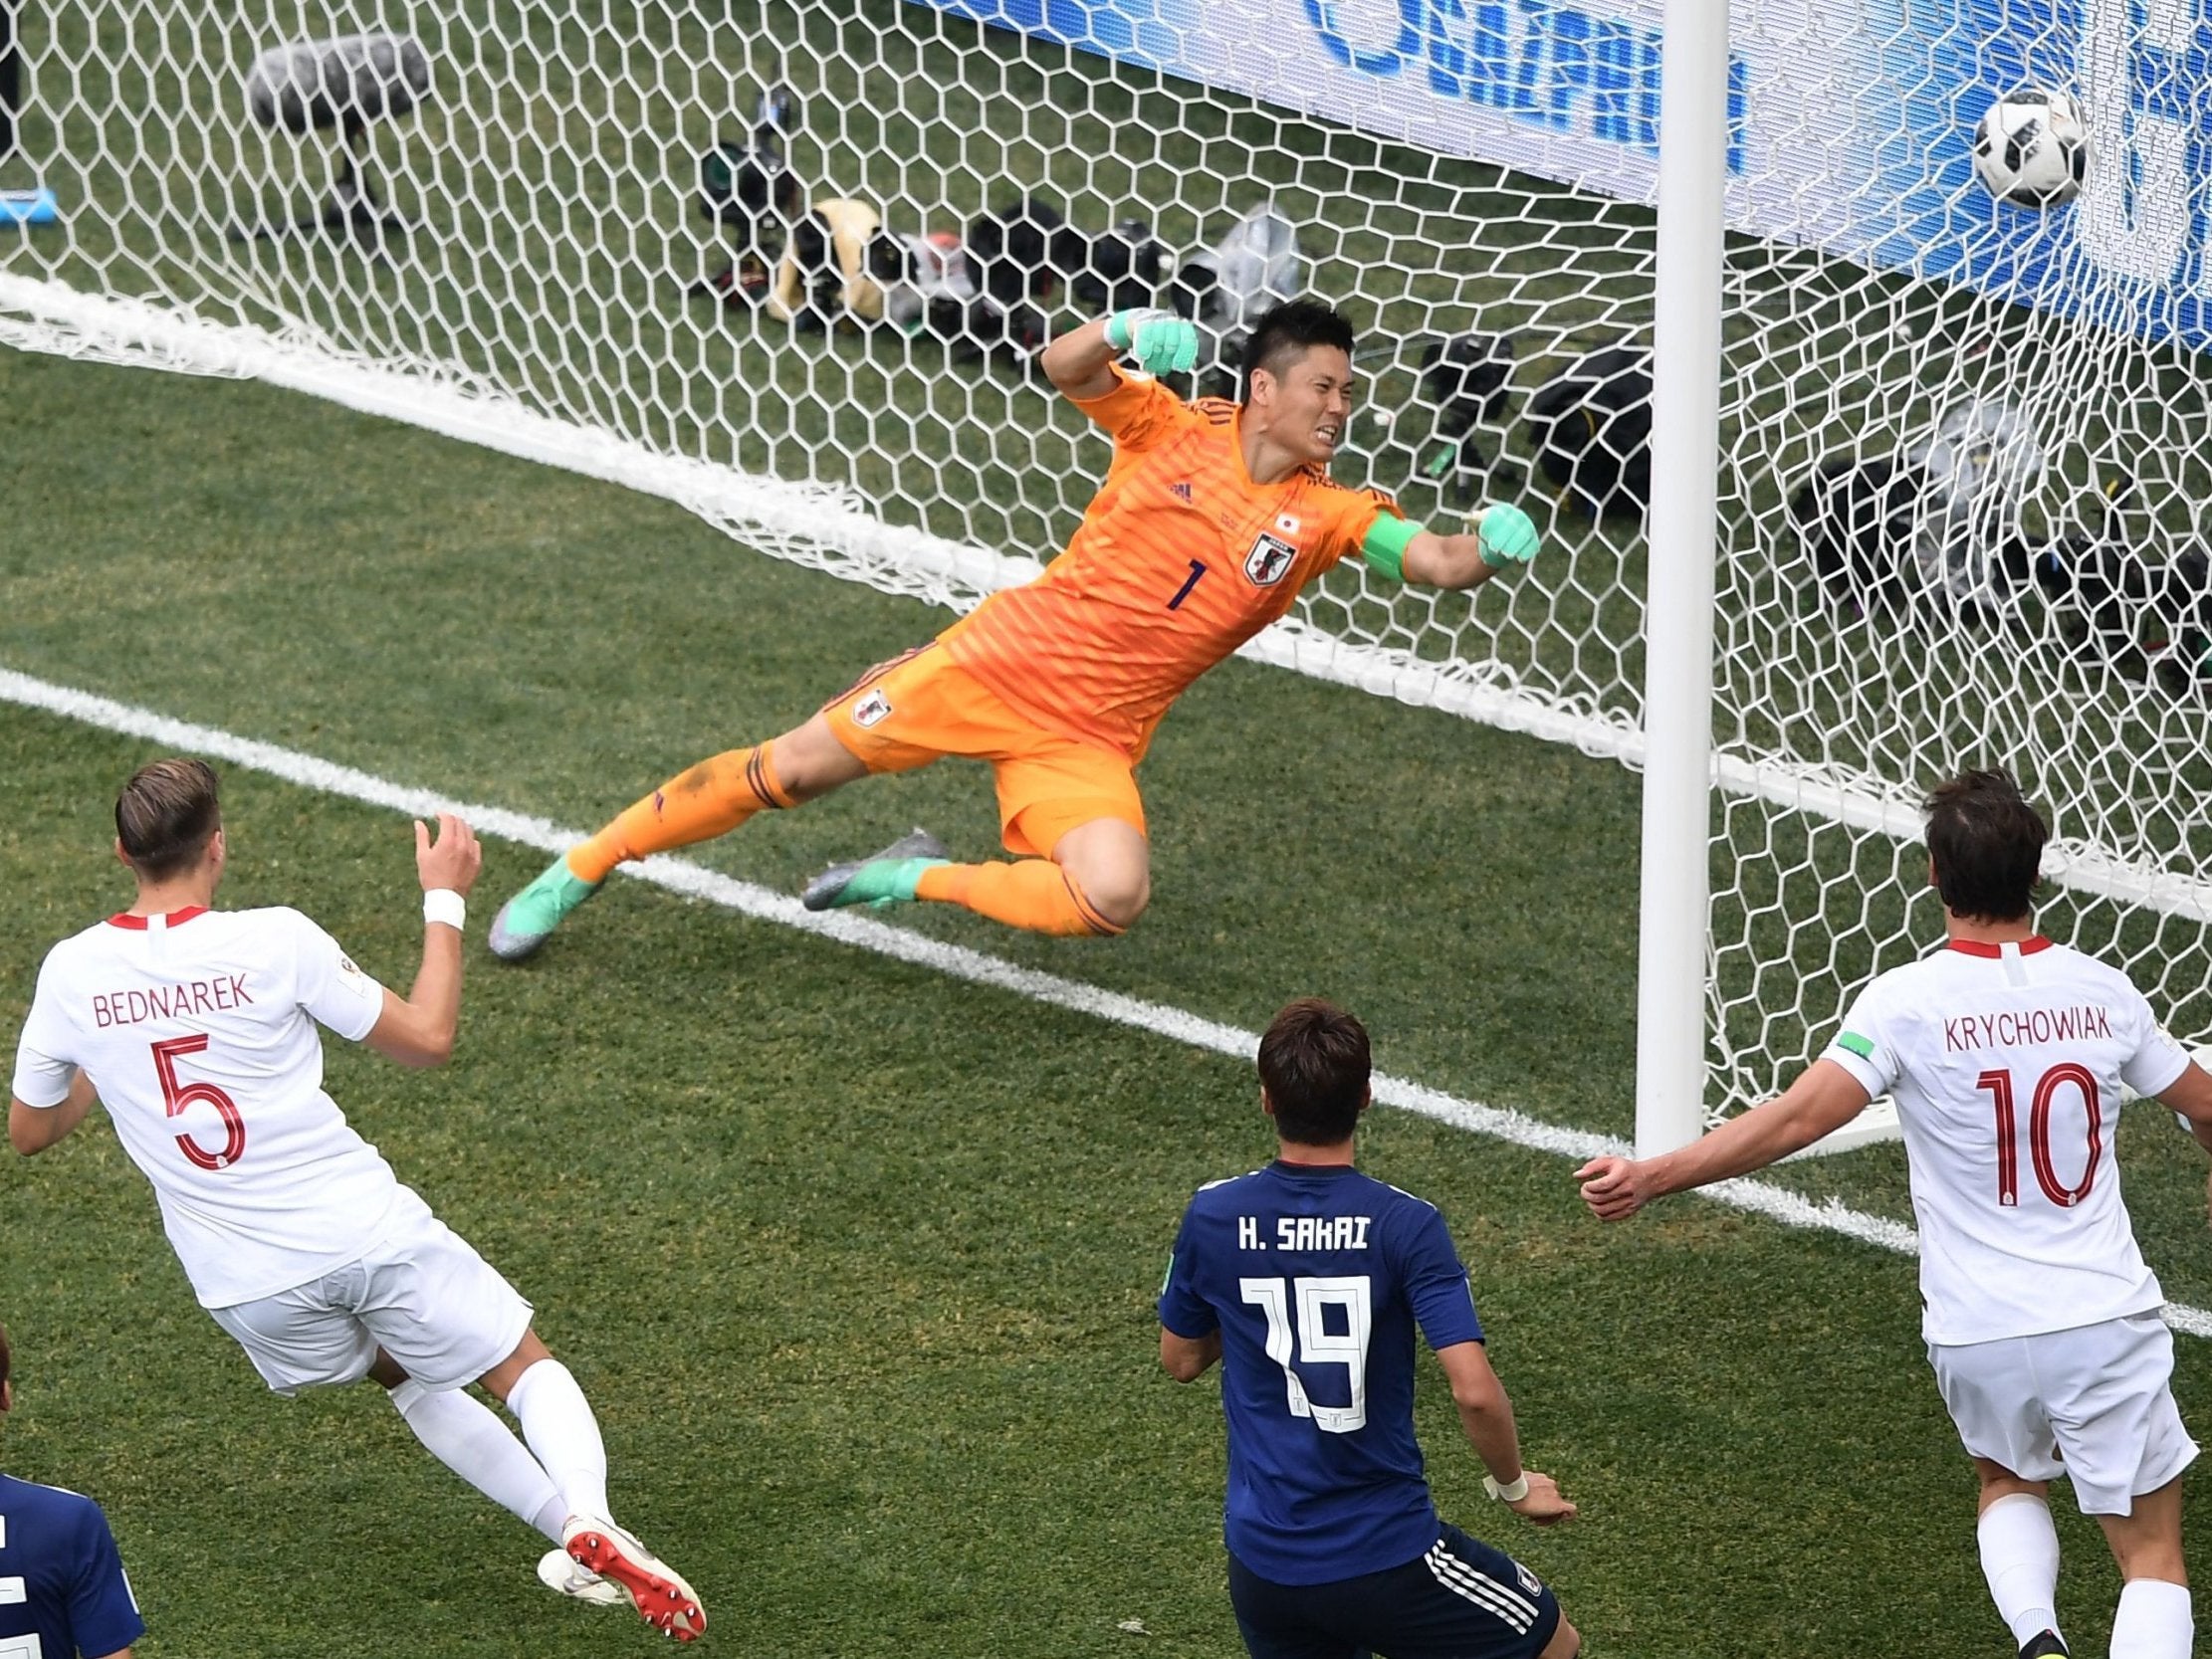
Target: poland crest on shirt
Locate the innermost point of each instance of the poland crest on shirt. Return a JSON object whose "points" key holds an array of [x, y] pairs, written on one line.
{"points": [[199, 1031]]}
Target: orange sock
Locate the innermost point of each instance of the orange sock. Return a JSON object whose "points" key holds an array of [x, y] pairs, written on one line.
{"points": [[712, 798], [1034, 893]]}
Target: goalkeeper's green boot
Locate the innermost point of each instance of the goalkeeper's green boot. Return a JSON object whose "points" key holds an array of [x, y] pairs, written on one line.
{"points": [[525, 921], [886, 878]]}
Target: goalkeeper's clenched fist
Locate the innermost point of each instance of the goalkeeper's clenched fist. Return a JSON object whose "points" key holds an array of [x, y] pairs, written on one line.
{"points": [[1507, 535], [1161, 342]]}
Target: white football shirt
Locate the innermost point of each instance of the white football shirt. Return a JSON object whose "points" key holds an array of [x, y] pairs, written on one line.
{"points": [[198, 1029], [2006, 1063]]}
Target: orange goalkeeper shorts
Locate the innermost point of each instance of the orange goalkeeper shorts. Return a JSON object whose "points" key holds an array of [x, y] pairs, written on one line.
{"points": [[923, 706]]}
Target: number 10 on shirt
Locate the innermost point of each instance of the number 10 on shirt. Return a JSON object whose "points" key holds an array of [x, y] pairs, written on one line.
{"points": [[1316, 1343], [1999, 1085]]}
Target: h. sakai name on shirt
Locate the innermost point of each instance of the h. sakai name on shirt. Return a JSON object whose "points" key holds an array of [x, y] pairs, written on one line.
{"points": [[195, 996], [1305, 1232], [2017, 1028]]}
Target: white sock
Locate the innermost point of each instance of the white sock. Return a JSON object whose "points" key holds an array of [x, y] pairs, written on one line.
{"points": [[467, 1437], [2153, 1621], [2020, 1559], [557, 1423]]}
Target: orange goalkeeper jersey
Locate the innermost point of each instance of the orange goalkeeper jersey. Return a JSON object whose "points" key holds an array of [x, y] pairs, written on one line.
{"points": [[1180, 559]]}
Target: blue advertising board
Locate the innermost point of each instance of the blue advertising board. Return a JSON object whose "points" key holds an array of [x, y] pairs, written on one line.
{"points": [[1851, 120]]}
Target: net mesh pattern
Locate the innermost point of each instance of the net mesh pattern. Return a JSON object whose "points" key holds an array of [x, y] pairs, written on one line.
{"points": [[1961, 469]]}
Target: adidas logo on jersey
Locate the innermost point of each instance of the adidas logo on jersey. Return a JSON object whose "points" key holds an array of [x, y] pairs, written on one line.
{"points": [[1182, 492]]}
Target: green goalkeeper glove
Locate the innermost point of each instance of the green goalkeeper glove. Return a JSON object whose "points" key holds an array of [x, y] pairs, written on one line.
{"points": [[1161, 342], [1508, 536]]}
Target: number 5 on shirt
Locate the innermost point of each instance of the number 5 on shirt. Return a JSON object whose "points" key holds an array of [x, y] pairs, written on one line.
{"points": [[177, 1097], [1316, 1343]]}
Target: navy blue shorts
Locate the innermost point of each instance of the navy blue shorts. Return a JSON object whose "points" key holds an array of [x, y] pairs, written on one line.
{"points": [[1461, 1600]]}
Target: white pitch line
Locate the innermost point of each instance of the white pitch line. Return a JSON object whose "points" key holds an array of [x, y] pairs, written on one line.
{"points": [[694, 881]]}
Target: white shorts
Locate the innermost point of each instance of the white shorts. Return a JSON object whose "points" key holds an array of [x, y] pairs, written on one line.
{"points": [[2091, 1404], [421, 1293]]}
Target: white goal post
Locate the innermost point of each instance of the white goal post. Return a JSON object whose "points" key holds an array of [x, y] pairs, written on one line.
{"points": [[1680, 529], [1926, 471]]}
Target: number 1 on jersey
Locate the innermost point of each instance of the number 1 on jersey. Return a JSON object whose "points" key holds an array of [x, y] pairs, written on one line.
{"points": [[1198, 569], [176, 1096], [1316, 1343]]}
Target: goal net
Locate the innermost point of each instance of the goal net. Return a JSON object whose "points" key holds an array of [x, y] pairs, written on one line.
{"points": [[589, 234]]}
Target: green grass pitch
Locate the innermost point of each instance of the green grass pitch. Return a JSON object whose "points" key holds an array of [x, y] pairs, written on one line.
{"points": [[857, 1260]]}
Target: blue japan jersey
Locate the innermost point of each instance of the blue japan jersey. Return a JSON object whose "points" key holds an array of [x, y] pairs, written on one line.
{"points": [[1315, 1276], [61, 1579]]}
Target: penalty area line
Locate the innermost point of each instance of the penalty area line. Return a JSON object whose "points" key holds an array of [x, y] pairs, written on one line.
{"points": [[694, 881]]}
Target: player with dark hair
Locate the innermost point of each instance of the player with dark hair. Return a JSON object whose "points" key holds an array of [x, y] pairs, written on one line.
{"points": [[1305, 1279], [1212, 517], [200, 1031], [2007, 1055], [63, 1593]]}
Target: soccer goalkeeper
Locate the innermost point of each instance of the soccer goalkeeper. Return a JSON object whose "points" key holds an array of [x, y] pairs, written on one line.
{"points": [[1212, 517]]}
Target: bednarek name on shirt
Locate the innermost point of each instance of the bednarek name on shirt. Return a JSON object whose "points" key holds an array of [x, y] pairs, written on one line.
{"points": [[2018, 1028], [1305, 1232], [194, 996]]}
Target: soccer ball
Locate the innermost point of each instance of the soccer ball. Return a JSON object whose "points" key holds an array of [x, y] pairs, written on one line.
{"points": [[2031, 148]]}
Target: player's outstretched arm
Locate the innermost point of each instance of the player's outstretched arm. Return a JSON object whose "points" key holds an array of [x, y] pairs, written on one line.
{"points": [[1501, 537], [1487, 1416], [1187, 1358], [420, 1030], [1082, 364], [2190, 1098], [1823, 1100], [33, 1129]]}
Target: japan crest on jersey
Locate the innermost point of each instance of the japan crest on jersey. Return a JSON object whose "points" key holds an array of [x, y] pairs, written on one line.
{"points": [[1269, 560]]}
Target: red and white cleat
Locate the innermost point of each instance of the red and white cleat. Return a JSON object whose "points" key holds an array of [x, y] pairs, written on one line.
{"points": [[654, 1589], [557, 1572]]}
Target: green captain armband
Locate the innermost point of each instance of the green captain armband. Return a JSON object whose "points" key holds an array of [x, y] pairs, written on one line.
{"points": [[1385, 548]]}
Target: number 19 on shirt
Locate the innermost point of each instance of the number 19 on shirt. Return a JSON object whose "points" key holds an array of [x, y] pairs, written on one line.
{"points": [[1316, 1343]]}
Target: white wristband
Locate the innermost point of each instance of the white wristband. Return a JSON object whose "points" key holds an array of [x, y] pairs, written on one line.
{"points": [[442, 904], [1508, 1494]]}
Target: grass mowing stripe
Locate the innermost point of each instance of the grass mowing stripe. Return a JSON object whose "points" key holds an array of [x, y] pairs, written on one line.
{"points": [[694, 881]]}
